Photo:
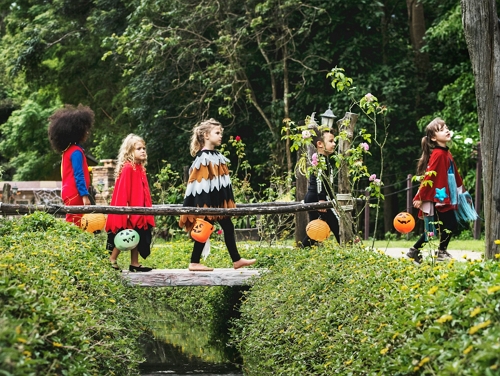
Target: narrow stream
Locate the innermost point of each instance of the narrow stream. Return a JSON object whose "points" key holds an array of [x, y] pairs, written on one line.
{"points": [[176, 347]]}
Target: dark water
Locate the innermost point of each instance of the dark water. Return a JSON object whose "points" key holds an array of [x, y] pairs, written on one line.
{"points": [[175, 347]]}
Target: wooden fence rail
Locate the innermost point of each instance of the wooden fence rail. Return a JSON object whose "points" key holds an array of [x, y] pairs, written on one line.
{"points": [[241, 210]]}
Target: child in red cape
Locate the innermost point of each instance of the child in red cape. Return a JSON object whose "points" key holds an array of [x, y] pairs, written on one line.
{"points": [[437, 195], [131, 189]]}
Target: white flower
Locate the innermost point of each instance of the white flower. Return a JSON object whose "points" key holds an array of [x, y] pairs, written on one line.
{"points": [[306, 134], [468, 141]]}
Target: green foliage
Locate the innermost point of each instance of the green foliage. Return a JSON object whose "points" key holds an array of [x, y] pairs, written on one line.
{"points": [[358, 312], [63, 309], [24, 138]]}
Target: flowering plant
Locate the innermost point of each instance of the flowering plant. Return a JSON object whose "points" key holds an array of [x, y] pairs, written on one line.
{"points": [[359, 142]]}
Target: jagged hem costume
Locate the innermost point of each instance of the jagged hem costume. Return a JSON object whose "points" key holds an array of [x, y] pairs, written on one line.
{"points": [[209, 186], [75, 177], [131, 189], [320, 188], [439, 198]]}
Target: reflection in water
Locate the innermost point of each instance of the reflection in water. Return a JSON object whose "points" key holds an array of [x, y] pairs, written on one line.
{"points": [[177, 347]]}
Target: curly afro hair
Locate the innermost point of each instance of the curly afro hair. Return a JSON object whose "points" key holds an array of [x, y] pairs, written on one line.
{"points": [[69, 125]]}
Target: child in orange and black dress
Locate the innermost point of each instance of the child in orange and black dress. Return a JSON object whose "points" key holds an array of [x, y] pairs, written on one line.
{"points": [[69, 128], [209, 186], [131, 189], [437, 195], [320, 187]]}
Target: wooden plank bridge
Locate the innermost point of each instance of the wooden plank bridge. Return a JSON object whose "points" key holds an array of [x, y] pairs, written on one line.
{"points": [[184, 277]]}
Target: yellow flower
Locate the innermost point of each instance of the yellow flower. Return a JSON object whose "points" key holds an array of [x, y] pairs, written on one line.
{"points": [[493, 289], [443, 276], [112, 300], [468, 349], [423, 361], [444, 319], [22, 340], [384, 350], [432, 290], [90, 169], [404, 288], [475, 328], [348, 362], [475, 312], [497, 241], [56, 344]]}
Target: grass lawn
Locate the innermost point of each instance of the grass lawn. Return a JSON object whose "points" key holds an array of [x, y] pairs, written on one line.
{"points": [[455, 244]]}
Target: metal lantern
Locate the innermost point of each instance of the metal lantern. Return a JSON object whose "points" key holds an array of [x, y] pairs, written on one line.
{"points": [[127, 240], [327, 118], [318, 230], [202, 230], [92, 222]]}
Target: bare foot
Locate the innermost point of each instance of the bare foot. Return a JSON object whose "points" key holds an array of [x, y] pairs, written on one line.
{"points": [[194, 267], [243, 262]]}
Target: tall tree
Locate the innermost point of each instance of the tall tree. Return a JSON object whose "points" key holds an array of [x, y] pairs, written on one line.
{"points": [[480, 22]]}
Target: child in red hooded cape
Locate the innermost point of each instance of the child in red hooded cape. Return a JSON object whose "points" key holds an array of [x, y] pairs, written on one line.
{"points": [[131, 189]]}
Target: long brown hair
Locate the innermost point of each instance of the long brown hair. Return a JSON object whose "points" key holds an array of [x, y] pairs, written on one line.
{"points": [[428, 145]]}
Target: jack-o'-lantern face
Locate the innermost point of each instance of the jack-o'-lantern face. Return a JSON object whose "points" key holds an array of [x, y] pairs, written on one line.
{"points": [[404, 222], [201, 230]]}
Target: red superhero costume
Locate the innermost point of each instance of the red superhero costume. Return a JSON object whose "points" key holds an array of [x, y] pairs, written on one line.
{"points": [[439, 191], [70, 194], [131, 189]]}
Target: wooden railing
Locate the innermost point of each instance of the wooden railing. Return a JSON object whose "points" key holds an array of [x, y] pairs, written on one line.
{"points": [[174, 209]]}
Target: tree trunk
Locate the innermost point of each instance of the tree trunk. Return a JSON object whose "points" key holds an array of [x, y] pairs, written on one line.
{"points": [[416, 22], [480, 22]]}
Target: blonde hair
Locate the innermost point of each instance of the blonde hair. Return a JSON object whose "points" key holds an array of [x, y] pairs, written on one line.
{"points": [[126, 152], [428, 145], [199, 132]]}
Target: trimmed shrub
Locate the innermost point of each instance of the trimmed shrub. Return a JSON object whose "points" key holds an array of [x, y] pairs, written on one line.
{"points": [[63, 309], [330, 310]]}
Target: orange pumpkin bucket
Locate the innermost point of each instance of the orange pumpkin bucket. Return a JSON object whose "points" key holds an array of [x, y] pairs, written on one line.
{"points": [[92, 222], [318, 230], [202, 230], [404, 222]]}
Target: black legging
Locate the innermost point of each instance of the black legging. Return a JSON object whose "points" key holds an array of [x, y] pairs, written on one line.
{"points": [[229, 239], [330, 218], [449, 223]]}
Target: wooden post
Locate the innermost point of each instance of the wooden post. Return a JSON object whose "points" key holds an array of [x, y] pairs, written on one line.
{"points": [[302, 218], [6, 193], [367, 215], [477, 204], [346, 129], [409, 199]]}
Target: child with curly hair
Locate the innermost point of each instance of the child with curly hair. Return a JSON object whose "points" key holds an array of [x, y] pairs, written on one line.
{"points": [[69, 128]]}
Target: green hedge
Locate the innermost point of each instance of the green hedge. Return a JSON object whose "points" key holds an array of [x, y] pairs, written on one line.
{"points": [[327, 310], [63, 310]]}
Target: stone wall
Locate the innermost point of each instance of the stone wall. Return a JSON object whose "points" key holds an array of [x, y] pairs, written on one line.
{"points": [[103, 180]]}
